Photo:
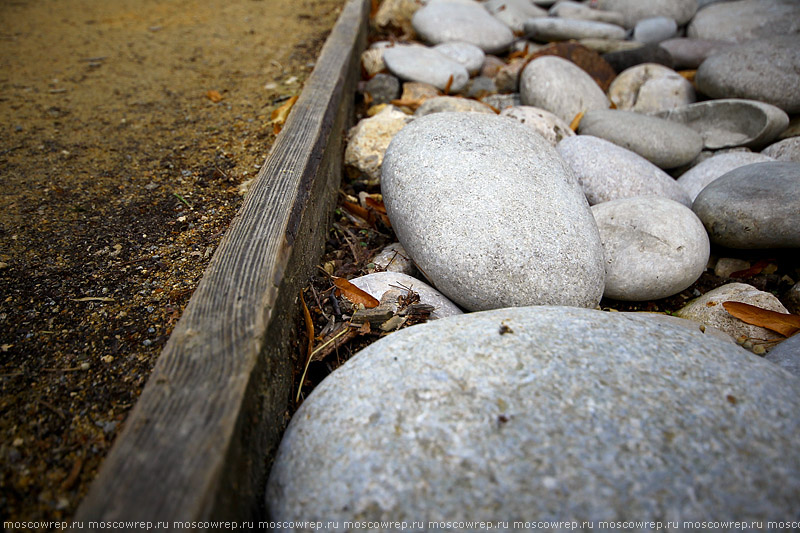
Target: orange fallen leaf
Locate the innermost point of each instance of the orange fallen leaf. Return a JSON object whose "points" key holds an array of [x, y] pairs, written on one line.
{"points": [[357, 210], [688, 74], [377, 205], [449, 84], [280, 115], [783, 323], [576, 121], [214, 96], [354, 294]]}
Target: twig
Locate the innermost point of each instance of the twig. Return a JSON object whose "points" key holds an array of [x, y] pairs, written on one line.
{"points": [[9, 150], [52, 407]]}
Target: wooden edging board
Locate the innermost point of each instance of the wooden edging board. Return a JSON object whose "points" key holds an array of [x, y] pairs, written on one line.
{"points": [[198, 444]]}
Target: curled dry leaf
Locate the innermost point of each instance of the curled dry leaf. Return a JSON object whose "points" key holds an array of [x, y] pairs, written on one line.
{"points": [[783, 323], [214, 96], [354, 294], [576, 121], [280, 115]]}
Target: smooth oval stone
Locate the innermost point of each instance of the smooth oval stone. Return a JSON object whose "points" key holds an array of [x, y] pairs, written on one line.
{"points": [[378, 283], [708, 310], [514, 13], [650, 87], [608, 172], [491, 214], [559, 86], [368, 140], [442, 22], [690, 53], [698, 177], [469, 55], [605, 46], [635, 10], [441, 104], [585, 58], [543, 122], [785, 150], [654, 30], [575, 10], [645, 53], [654, 247], [746, 20], [558, 29], [543, 412], [383, 88], [767, 70], [756, 206], [787, 355], [664, 143], [426, 65], [731, 122]]}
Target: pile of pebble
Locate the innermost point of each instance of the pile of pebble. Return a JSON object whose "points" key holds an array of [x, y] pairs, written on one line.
{"points": [[534, 404]]}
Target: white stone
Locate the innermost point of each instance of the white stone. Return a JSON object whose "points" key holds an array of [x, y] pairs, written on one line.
{"points": [[491, 214], [368, 140], [698, 177], [558, 29], [577, 10], [635, 10], [543, 122], [377, 284], [654, 247], [608, 172], [514, 13], [443, 22], [561, 87], [543, 413], [469, 55], [650, 87], [654, 30], [426, 65]]}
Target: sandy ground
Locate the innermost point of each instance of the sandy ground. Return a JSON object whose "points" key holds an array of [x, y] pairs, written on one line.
{"points": [[127, 131]]}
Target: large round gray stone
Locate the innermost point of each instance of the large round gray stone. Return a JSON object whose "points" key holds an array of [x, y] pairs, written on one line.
{"points": [[698, 177], [557, 29], [787, 355], [650, 87], [635, 10], [543, 412], [755, 206], [664, 143], [654, 247], [491, 214], [746, 20], [767, 70], [443, 22], [561, 87], [426, 65], [608, 172]]}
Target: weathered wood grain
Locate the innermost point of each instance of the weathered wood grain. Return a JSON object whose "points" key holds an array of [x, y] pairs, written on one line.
{"points": [[198, 443]]}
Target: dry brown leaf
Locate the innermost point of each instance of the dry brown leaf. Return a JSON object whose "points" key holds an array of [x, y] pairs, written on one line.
{"points": [[449, 84], [576, 121], [783, 323], [377, 205], [214, 96], [356, 210], [309, 324], [753, 270], [280, 115], [688, 74], [354, 294], [411, 103]]}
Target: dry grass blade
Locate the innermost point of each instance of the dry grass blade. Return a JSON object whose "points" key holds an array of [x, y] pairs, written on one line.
{"points": [[783, 323], [576, 122], [280, 115], [310, 332], [354, 294], [449, 84]]}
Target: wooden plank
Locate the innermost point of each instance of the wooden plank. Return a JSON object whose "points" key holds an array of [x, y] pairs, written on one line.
{"points": [[198, 444]]}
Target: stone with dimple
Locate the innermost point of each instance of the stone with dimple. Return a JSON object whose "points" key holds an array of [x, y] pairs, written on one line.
{"points": [[785, 150], [378, 283], [543, 412], [746, 20], [491, 214], [608, 172], [654, 247], [543, 122], [650, 87], [442, 22], [755, 206], [767, 70], [467, 54], [560, 87], [368, 140], [423, 64], [698, 177], [664, 143], [558, 29], [655, 30], [635, 10]]}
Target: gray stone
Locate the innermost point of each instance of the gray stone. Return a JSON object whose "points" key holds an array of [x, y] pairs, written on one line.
{"points": [[383, 88], [608, 172], [635, 10], [767, 70], [393, 258], [645, 53], [502, 101], [443, 22], [792, 299], [746, 20], [515, 414], [698, 177], [690, 53], [655, 30], [441, 104], [507, 78], [664, 143], [708, 310], [755, 206], [377, 284], [514, 13], [426, 65], [561, 87], [731, 122], [577, 10], [688, 324], [650, 87], [469, 55], [558, 29], [480, 86], [785, 150], [605, 46], [368, 140], [491, 214], [654, 247], [543, 122], [787, 355]]}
